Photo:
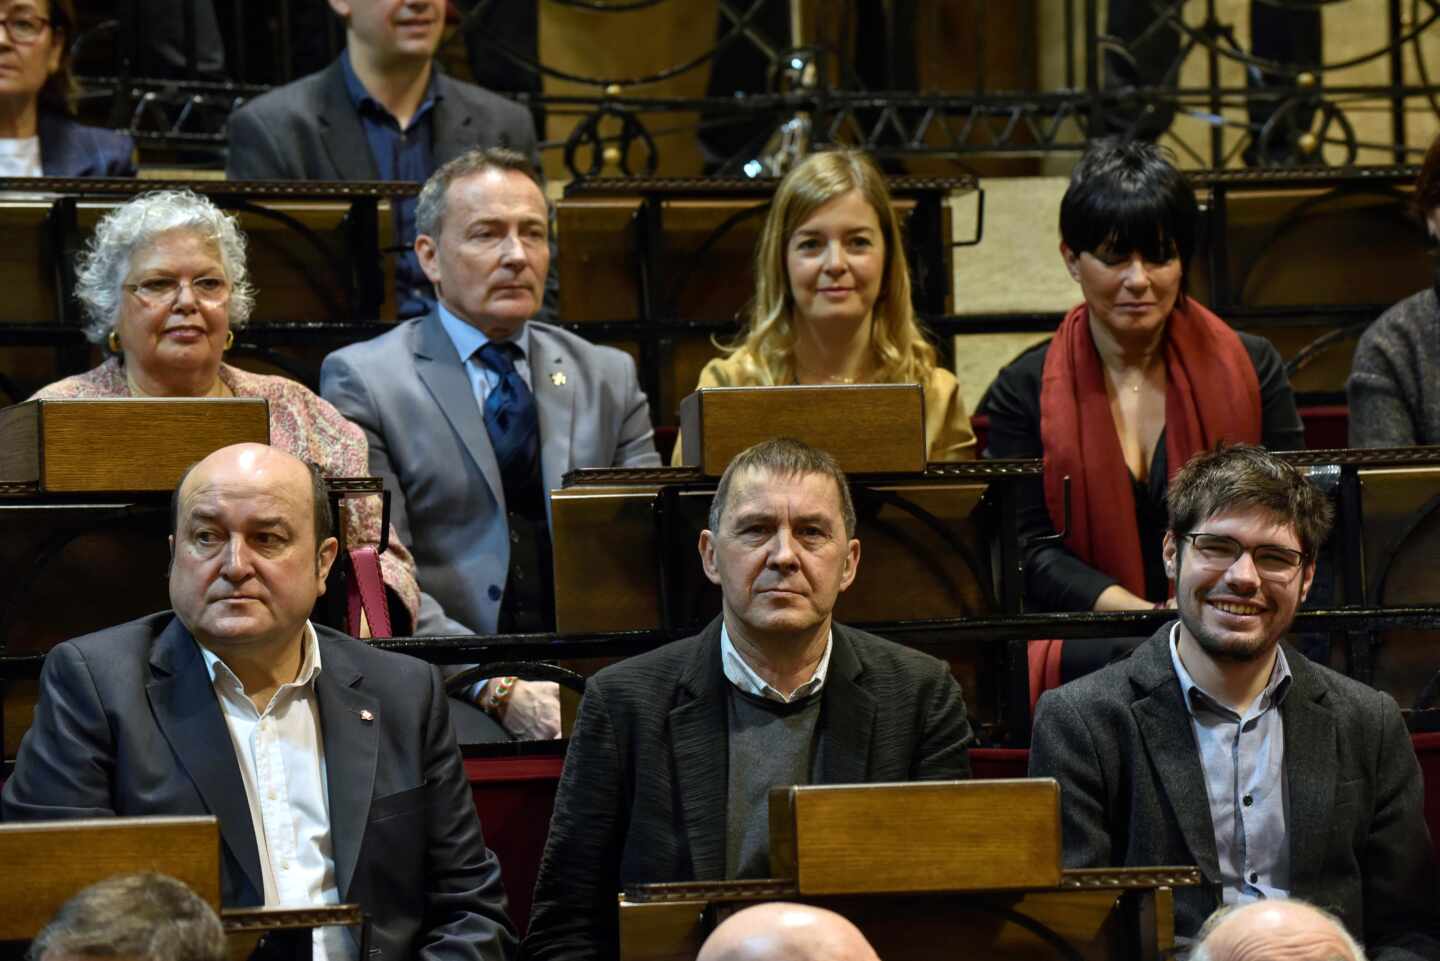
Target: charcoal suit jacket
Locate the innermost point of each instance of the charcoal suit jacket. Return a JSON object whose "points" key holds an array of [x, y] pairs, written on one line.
{"points": [[310, 129], [128, 724], [643, 794], [1132, 793]]}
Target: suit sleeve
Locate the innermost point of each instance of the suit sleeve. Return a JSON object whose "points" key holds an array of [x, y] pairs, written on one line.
{"points": [[252, 153], [1061, 747], [636, 444], [574, 915], [465, 917], [945, 742], [1402, 922], [345, 387], [1382, 376], [67, 758]]}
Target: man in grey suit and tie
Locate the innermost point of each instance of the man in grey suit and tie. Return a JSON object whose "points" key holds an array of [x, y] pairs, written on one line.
{"points": [[475, 412], [1215, 746]]}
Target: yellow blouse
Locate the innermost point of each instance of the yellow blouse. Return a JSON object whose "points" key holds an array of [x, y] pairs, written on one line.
{"points": [[947, 423]]}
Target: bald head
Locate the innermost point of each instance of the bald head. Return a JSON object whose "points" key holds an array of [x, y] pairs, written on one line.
{"points": [[1275, 930], [786, 932], [251, 548]]}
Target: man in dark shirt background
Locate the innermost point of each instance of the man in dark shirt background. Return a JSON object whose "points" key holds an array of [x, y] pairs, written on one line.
{"points": [[382, 111]]}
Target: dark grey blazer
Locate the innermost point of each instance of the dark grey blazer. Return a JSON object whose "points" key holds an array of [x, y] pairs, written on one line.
{"points": [[309, 129], [1133, 793], [127, 724], [643, 794], [70, 149]]}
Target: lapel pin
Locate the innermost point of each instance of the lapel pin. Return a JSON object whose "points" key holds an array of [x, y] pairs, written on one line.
{"points": [[366, 716], [558, 378]]}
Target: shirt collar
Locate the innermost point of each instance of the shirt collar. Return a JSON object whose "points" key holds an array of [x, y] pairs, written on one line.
{"points": [[742, 675], [468, 338], [361, 99], [1272, 696], [309, 663]]}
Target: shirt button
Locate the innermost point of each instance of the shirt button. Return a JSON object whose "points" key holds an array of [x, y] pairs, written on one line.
{"points": [[494, 592], [285, 866], [514, 537], [1247, 800]]}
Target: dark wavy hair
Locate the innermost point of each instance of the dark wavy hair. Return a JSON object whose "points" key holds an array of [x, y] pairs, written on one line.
{"points": [[1248, 477]]}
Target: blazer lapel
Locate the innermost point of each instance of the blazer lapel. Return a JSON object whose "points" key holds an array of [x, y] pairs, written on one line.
{"points": [[848, 713], [454, 128], [1165, 726], [342, 132], [350, 720], [1310, 751], [552, 381], [439, 367], [188, 714], [700, 756]]}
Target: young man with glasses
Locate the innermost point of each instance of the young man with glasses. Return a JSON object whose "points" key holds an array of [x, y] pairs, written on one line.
{"points": [[1215, 746]]}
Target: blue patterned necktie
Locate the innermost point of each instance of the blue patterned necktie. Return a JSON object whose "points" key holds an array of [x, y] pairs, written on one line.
{"points": [[510, 416]]}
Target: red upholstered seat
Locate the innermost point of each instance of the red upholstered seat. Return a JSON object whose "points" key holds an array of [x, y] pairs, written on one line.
{"points": [[514, 797]]}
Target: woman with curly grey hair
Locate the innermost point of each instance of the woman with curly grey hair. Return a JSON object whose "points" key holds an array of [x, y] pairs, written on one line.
{"points": [[164, 286]]}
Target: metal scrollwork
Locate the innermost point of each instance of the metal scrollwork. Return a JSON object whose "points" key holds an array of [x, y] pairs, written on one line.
{"points": [[610, 148]]}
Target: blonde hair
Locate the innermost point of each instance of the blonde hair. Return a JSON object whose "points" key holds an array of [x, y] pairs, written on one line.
{"points": [[766, 349]]}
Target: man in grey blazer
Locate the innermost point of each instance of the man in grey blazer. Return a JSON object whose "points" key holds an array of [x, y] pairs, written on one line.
{"points": [[383, 111], [674, 753], [432, 403], [1215, 746], [331, 766]]}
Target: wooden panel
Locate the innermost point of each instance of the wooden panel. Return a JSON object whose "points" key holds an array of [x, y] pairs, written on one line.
{"points": [[598, 266], [47, 862], [936, 836], [661, 932], [869, 428], [20, 443], [129, 445], [616, 524], [26, 274]]}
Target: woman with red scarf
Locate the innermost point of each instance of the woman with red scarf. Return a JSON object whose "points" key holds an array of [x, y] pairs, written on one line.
{"points": [[1137, 379]]}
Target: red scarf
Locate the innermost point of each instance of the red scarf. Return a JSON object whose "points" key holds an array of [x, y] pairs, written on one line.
{"points": [[1211, 394]]}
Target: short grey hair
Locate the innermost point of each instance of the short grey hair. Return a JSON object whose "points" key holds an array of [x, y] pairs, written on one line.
{"points": [[430, 208], [148, 916], [783, 457], [100, 274]]}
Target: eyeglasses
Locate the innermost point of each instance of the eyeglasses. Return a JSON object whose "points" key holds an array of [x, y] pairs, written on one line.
{"points": [[1216, 552], [164, 291], [23, 28]]}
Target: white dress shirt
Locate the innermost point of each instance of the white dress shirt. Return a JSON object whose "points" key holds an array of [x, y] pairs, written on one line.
{"points": [[20, 157], [282, 762], [742, 675]]}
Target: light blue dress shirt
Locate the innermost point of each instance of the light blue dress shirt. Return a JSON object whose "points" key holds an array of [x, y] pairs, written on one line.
{"points": [[468, 340], [1244, 762]]}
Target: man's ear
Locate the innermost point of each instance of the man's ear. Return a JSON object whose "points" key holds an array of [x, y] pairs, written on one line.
{"points": [[707, 557], [1307, 578], [427, 252], [1072, 261], [1170, 552], [324, 558], [342, 9], [171, 541], [852, 563]]}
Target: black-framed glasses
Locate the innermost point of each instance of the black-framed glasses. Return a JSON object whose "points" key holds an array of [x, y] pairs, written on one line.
{"points": [[1217, 552], [24, 27]]}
